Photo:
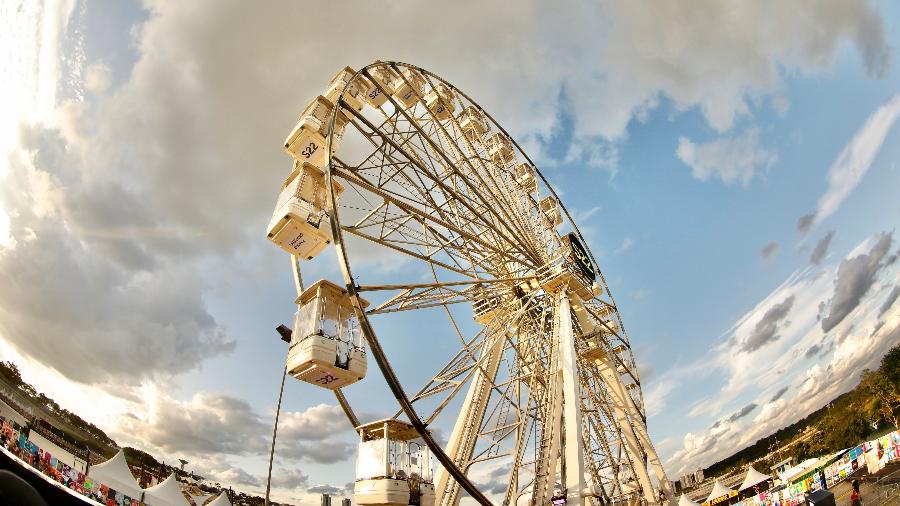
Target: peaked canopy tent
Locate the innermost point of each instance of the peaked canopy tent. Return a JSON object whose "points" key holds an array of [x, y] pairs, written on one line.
{"points": [[718, 491], [165, 493], [685, 501], [220, 500], [115, 473], [753, 478]]}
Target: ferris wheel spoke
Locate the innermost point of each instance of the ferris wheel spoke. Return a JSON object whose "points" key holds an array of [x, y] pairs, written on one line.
{"points": [[480, 215], [485, 174], [461, 244], [409, 233], [424, 295], [462, 162]]}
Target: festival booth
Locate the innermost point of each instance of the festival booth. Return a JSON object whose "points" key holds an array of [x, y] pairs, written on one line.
{"points": [[873, 455], [755, 487], [220, 500], [685, 501], [165, 493], [114, 474], [720, 494], [61, 454], [806, 478]]}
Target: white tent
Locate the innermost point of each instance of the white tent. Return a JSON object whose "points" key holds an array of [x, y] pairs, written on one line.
{"points": [[754, 477], [199, 500], [166, 493], [115, 473], [685, 501], [718, 491], [220, 500]]}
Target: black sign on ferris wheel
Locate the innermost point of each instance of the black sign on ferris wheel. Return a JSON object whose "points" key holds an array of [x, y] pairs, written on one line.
{"points": [[580, 256]]}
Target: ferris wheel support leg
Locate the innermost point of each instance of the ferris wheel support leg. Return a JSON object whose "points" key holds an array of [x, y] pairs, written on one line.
{"points": [[620, 401], [548, 464], [573, 454], [468, 423], [654, 462]]}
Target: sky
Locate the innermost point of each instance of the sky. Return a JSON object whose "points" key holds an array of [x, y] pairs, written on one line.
{"points": [[733, 167]]}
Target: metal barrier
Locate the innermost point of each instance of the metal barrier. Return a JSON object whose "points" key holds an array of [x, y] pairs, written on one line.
{"points": [[888, 489]]}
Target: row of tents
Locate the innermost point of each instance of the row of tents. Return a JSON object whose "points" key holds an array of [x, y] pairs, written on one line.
{"points": [[115, 473], [721, 493]]}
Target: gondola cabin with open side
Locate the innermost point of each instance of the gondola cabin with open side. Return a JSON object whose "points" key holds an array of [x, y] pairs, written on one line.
{"points": [[393, 466], [327, 347]]}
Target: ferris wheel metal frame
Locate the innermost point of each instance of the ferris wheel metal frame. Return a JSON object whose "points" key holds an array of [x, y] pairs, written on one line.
{"points": [[618, 410]]}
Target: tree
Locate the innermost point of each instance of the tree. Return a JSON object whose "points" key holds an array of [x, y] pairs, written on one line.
{"points": [[11, 373], [881, 399], [890, 366]]}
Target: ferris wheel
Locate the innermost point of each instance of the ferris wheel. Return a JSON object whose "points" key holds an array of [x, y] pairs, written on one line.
{"points": [[539, 393]]}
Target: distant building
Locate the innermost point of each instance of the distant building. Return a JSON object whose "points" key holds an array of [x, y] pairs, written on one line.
{"points": [[326, 500], [783, 466], [692, 479]]}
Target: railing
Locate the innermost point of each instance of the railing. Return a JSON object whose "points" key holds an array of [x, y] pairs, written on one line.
{"points": [[887, 489]]}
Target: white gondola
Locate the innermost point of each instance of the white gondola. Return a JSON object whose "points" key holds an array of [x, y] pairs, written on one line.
{"points": [[409, 87], [385, 77], [526, 177], [306, 142], [300, 224], [327, 346], [500, 149], [393, 468], [441, 101], [357, 88], [472, 123], [550, 208]]}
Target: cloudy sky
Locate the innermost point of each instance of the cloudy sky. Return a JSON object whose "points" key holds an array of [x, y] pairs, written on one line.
{"points": [[733, 165]]}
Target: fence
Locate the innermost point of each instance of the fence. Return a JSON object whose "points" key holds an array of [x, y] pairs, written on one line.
{"points": [[887, 490]]}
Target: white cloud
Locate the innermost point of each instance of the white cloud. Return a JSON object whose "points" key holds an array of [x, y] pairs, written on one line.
{"points": [[97, 78], [626, 245], [731, 159], [213, 424], [853, 162]]}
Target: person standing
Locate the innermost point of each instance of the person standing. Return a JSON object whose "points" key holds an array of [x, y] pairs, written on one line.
{"points": [[855, 499]]}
